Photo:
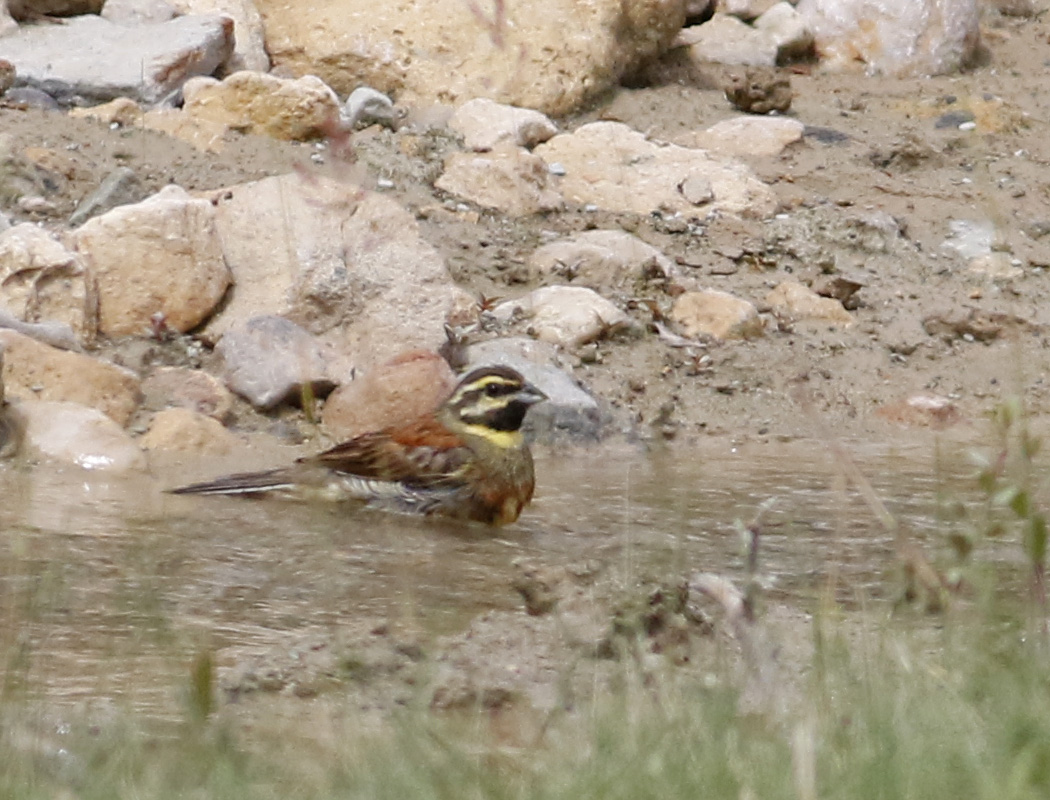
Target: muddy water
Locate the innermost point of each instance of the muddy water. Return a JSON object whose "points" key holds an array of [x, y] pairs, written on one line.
{"points": [[108, 586]]}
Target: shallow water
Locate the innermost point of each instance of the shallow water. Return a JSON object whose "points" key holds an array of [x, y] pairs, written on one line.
{"points": [[108, 586]]}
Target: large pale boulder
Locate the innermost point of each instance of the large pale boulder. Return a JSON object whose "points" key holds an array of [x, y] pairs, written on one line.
{"points": [[346, 264], [616, 168], [42, 281], [160, 259], [34, 371], [550, 55], [894, 37]]}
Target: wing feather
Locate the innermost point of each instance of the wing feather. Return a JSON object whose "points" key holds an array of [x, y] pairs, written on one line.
{"points": [[423, 453]]}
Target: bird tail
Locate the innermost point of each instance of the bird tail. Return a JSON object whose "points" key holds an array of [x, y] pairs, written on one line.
{"points": [[241, 483]]}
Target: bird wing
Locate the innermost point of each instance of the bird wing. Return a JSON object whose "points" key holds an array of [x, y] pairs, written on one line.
{"points": [[423, 453]]}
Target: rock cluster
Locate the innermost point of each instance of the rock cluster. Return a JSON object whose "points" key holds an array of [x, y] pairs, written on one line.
{"points": [[304, 286]]}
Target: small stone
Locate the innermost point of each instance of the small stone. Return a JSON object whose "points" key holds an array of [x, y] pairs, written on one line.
{"points": [[714, 313], [996, 265], [922, 410], [367, 106], [697, 190], [564, 315], [726, 40], [787, 30], [484, 124], [7, 75], [802, 303], [759, 90], [120, 187], [262, 104], [750, 136], [123, 111], [75, 434], [194, 389], [186, 431], [509, 179], [601, 258]]}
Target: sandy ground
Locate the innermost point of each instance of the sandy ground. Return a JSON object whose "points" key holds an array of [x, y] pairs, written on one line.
{"points": [[875, 162]]}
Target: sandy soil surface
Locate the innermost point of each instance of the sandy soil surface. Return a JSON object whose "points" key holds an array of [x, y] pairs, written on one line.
{"points": [[869, 193]]}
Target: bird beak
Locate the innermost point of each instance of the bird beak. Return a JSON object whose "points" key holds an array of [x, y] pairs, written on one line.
{"points": [[530, 395]]}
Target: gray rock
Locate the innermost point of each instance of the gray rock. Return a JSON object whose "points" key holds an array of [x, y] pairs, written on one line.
{"points": [[92, 59], [367, 106], [269, 360], [118, 188], [28, 97], [569, 411]]}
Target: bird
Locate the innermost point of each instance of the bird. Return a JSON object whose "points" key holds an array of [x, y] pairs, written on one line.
{"points": [[467, 460]]}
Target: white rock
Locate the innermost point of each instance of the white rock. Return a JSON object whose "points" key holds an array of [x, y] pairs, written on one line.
{"points": [[162, 256], [78, 435], [509, 179], [249, 49], [714, 313], [894, 37], [787, 30], [90, 58], [749, 135], [40, 280], [618, 169], [550, 55], [564, 315], [727, 40], [600, 258], [366, 105], [345, 264], [484, 124]]}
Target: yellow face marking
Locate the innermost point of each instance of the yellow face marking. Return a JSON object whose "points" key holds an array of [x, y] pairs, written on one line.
{"points": [[508, 440]]}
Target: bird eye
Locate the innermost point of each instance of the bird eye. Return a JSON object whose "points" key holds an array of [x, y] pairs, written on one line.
{"points": [[494, 389]]}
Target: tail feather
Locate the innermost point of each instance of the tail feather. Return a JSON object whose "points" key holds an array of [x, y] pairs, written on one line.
{"points": [[241, 483]]}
